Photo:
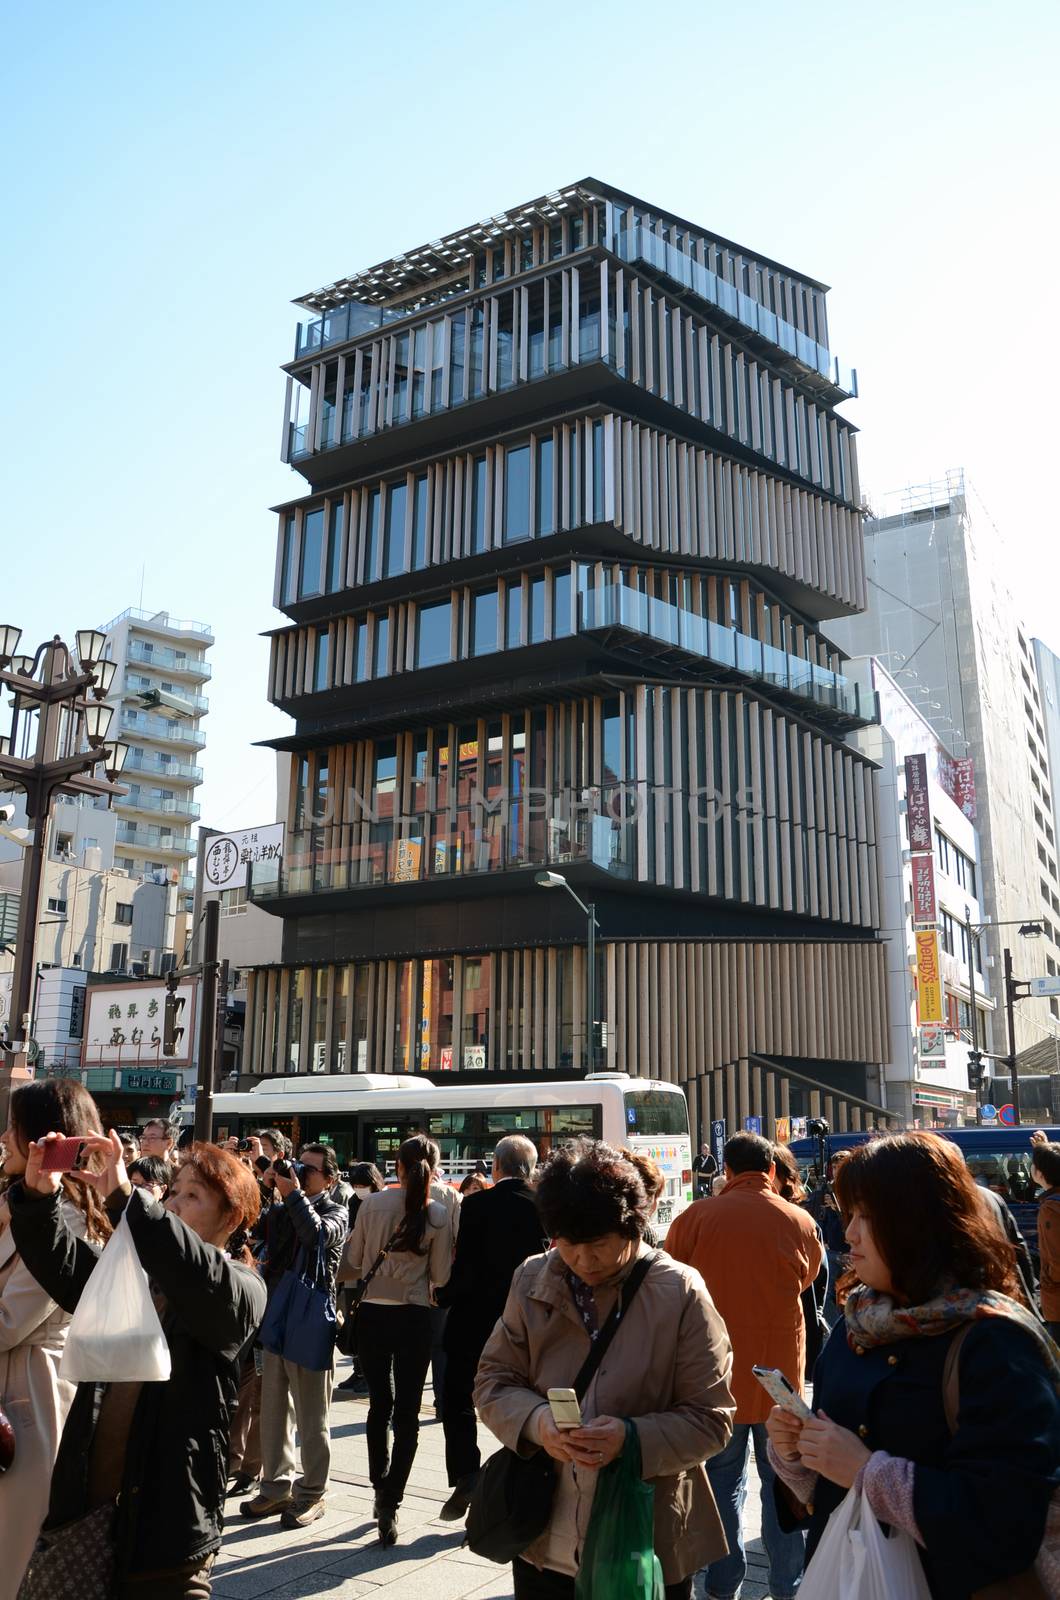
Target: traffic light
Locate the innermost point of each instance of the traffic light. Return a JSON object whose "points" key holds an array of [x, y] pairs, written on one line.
{"points": [[172, 1032], [975, 1068]]}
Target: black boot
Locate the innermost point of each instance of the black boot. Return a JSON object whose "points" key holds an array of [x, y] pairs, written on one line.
{"points": [[455, 1508], [386, 1522]]}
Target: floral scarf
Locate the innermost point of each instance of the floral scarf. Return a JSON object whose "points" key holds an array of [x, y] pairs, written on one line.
{"points": [[873, 1318]]}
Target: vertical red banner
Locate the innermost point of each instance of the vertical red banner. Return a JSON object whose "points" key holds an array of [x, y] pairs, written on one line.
{"points": [[917, 803]]}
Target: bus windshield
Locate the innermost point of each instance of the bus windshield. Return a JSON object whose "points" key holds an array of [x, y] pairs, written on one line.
{"points": [[654, 1111]]}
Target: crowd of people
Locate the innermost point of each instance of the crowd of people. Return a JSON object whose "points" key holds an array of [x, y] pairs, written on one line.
{"points": [[899, 1291]]}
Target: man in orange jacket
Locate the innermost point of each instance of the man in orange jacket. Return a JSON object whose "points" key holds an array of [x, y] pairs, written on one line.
{"points": [[756, 1254]]}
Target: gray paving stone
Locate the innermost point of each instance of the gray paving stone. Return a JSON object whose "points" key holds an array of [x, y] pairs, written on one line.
{"points": [[339, 1557]]}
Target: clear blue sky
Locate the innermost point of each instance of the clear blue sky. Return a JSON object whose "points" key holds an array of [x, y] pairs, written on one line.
{"points": [[176, 173]]}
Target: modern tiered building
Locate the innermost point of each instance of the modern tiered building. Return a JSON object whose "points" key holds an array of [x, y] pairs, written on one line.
{"points": [[578, 499]]}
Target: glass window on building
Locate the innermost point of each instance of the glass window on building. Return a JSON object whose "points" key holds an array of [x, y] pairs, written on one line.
{"points": [[381, 664], [371, 537], [513, 605], [335, 575], [287, 585], [478, 505], [517, 495], [544, 510], [320, 661], [457, 358], [420, 530], [318, 1021], [301, 788], [394, 534], [484, 609], [474, 1040], [561, 604], [433, 627], [312, 552], [538, 612], [435, 1031]]}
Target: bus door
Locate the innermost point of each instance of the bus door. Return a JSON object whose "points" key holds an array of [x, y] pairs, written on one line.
{"points": [[382, 1138]]}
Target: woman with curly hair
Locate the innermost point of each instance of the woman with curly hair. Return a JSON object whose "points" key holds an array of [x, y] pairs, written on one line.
{"points": [[667, 1370], [937, 1390], [140, 1474]]}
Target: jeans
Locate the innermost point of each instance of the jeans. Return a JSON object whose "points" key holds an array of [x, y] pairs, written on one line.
{"points": [[394, 1346], [832, 1312], [531, 1584], [728, 1480]]}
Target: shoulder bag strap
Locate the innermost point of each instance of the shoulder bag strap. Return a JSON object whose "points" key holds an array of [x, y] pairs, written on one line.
{"points": [[380, 1258], [610, 1328], [951, 1383]]}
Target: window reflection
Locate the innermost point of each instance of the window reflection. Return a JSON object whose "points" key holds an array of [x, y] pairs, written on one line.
{"points": [[484, 623], [517, 494], [312, 551], [433, 634]]}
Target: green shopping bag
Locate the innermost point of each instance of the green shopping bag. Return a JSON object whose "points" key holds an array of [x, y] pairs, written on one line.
{"points": [[618, 1557]]}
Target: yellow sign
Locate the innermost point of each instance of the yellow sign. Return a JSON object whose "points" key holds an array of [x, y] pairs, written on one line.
{"points": [[783, 1126], [928, 977]]}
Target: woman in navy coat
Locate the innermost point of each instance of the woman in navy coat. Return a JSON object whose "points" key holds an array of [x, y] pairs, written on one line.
{"points": [[928, 1268]]}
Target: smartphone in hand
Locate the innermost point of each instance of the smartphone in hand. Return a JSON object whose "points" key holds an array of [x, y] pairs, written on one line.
{"points": [[62, 1155], [782, 1393], [566, 1411]]}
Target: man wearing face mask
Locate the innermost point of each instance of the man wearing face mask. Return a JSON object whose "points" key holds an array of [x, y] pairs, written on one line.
{"points": [[364, 1180]]}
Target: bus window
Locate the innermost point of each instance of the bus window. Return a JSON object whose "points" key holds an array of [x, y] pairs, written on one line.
{"points": [[654, 1111], [1007, 1172]]}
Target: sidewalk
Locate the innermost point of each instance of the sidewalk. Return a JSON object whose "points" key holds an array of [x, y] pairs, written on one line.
{"points": [[339, 1558]]}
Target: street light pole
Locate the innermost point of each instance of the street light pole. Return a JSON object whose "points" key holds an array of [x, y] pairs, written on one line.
{"points": [[1010, 1009], [66, 721], [556, 880]]}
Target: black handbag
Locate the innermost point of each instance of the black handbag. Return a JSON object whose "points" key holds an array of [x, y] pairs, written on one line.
{"points": [[354, 1293], [512, 1500]]}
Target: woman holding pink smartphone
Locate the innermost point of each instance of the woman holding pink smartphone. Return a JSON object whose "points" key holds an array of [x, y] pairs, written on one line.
{"points": [[32, 1327]]}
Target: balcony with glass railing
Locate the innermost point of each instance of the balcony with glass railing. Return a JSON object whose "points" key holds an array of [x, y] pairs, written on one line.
{"points": [[198, 703], [183, 771], [160, 622], [640, 247], [135, 833], [187, 810], [618, 607], [335, 857], [142, 726], [166, 660]]}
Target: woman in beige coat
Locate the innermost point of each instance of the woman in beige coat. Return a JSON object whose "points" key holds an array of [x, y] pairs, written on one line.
{"points": [[33, 1328], [667, 1370]]}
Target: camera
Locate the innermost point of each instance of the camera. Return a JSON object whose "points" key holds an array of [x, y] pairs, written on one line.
{"points": [[262, 1163], [289, 1169], [244, 1144]]}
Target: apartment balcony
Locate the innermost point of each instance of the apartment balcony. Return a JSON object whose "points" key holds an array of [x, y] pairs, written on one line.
{"points": [[163, 624], [160, 731], [179, 663], [198, 703], [146, 838], [180, 771], [154, 805]]}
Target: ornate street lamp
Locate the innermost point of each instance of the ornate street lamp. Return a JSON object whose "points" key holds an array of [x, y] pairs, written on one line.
{"points": [[55, 746]]}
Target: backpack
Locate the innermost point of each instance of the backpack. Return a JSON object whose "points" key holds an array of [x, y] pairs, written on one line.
{"points": [[1041, 1581]]}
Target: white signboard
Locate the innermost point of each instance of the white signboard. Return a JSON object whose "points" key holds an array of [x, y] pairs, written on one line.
{"points": [[229, 854], [1040, 986], [124, 1021]]}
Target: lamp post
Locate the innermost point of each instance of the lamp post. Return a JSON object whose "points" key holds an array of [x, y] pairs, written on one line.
{"points": [[57, 740], [556, 880], [1029, 929]]}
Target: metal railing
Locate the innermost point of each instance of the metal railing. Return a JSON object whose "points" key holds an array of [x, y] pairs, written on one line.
{"points": [[158, 619], [171, 660]]}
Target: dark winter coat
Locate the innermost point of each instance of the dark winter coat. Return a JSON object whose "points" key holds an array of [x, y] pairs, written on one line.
{"points": [[980, 1495], [176, 1466], [299, 1222], [499, 1229]]}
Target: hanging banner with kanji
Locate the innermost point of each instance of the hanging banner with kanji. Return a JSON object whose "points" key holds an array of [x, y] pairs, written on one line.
{"points": [[917, 803], [925, 902], [928, 977]]}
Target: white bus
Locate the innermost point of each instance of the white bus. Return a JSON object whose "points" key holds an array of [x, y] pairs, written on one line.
{"points": [[366, 1117]]}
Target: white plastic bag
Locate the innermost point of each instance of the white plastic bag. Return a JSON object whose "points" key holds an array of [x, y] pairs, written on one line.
{"points": [[856, 1560], [115, 1335]]}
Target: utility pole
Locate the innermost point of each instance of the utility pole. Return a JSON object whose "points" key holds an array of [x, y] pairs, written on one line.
{"points": [[209, 1032], [1011, 985]]}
